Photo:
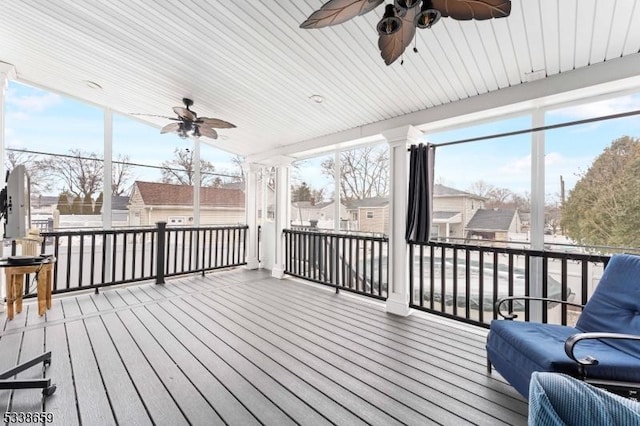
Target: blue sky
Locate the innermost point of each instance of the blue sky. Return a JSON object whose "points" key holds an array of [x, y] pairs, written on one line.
{"points": [[43, 121]]}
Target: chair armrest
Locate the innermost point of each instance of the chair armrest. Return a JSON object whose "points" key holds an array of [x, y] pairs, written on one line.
{"points": [[571, 342], [511, 315]]}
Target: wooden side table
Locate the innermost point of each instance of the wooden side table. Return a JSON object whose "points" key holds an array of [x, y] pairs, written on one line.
{"points": [[14, 275]]}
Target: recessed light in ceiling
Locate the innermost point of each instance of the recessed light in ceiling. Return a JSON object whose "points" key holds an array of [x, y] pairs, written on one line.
{"points": [[534, 75], [317, 98], [92, 85]]}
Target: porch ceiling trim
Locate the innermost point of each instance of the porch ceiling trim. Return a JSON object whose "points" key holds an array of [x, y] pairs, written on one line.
{"points": [[604, 78]]}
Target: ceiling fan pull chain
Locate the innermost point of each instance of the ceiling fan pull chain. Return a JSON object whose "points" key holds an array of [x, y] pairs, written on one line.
{"points": [[415, 44]]}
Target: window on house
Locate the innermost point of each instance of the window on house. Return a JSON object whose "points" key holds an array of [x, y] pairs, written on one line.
{"points": [[369, 215]]}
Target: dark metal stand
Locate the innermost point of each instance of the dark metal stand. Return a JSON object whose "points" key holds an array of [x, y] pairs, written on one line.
{"points": [[6, 382]]}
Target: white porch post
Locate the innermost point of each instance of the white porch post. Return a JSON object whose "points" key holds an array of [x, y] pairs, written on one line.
{"points": [[282, 217], [537, 212], [107, 188], [196, 183], [398, 139], [7, 72], [336, 191], [251, 214]]}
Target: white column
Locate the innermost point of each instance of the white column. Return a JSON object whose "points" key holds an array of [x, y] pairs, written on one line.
{"points": [[282, 219], [398, 140], [251, 214], [7, 72], [107, 185], [107, 182], [196, 182], [336, 191], [537, 211]]}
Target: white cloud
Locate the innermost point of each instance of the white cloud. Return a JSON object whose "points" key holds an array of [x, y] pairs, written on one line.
{"points": [[517, 166], [18, 115], [34, 103], [598, 109]]}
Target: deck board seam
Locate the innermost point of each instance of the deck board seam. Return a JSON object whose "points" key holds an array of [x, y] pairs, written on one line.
{"points": [[381, 354], [302, 362], [346, 373]]}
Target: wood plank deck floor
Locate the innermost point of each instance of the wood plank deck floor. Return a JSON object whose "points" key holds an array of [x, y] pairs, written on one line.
{"points": [[238, 347]]}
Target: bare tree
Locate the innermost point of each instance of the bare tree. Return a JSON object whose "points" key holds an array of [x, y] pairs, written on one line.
{"points": [[81, 172], [364, 172], [120, 175], [35, 167], [481, 188], [181, 170]]}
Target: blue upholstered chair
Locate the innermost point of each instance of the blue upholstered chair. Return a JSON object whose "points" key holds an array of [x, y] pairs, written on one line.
{"points": [[602, 349]]}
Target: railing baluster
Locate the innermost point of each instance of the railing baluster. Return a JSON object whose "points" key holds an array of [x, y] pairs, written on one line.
{"points": [[443, 280], [455, 282], [563, 286], [481, 286], [69, 251], [81, 261], [584, 282], [495, 284], [432, 278], [510, 290], [124, 256], [92, 263], [545, 287], [527, 286], [421, 269], [467, 284]]}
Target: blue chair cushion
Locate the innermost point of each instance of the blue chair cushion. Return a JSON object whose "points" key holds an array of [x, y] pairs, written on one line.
{"points": [[615, 304], [517, 349]]}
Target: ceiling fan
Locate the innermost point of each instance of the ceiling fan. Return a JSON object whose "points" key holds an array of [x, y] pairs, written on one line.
{"points": [[397, 27], [189, 124]]}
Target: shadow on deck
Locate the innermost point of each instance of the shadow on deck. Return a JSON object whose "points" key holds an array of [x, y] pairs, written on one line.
{"points": [[238, 347]]}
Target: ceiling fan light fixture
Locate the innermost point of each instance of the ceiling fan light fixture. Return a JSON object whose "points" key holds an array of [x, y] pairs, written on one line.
{"points": [[390, 23], [428, 16], [406, 4]]}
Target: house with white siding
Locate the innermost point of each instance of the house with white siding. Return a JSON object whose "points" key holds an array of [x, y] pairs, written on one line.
{"points": [[152, 202]]}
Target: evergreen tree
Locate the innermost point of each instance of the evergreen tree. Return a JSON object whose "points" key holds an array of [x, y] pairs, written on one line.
{"points": [[63, 203], [97, 208], [76, 207], [604, 206]]}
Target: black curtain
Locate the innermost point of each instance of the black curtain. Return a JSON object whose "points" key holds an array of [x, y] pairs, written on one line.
{"points": [[420, 208]]}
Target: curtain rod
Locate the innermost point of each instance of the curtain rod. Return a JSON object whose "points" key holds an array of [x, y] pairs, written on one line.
{"points": [[537, 129]]}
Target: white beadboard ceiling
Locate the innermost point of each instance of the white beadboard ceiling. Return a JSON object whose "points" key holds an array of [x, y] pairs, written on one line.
{"points": [[250, 64]]}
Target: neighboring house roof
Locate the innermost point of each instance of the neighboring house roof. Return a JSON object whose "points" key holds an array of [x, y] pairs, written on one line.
{"points": [[233, 185], [444, 215], [308, 205], [119, 202], [165, 194], [367, 202], [491, 220], [44, 200], [445, 191]]}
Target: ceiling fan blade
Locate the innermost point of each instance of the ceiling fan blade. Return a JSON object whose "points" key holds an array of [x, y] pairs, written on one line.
{"points": [[215, 123], [152, 115], [185, 113], [170, 128], [336, 12], [464, 10], [392, 46], [208, 132]]}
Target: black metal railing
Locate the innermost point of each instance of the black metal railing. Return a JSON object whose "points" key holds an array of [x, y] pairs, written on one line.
{"points": [[355, 263], [90, 259], [204, 249], [464, 281]]}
